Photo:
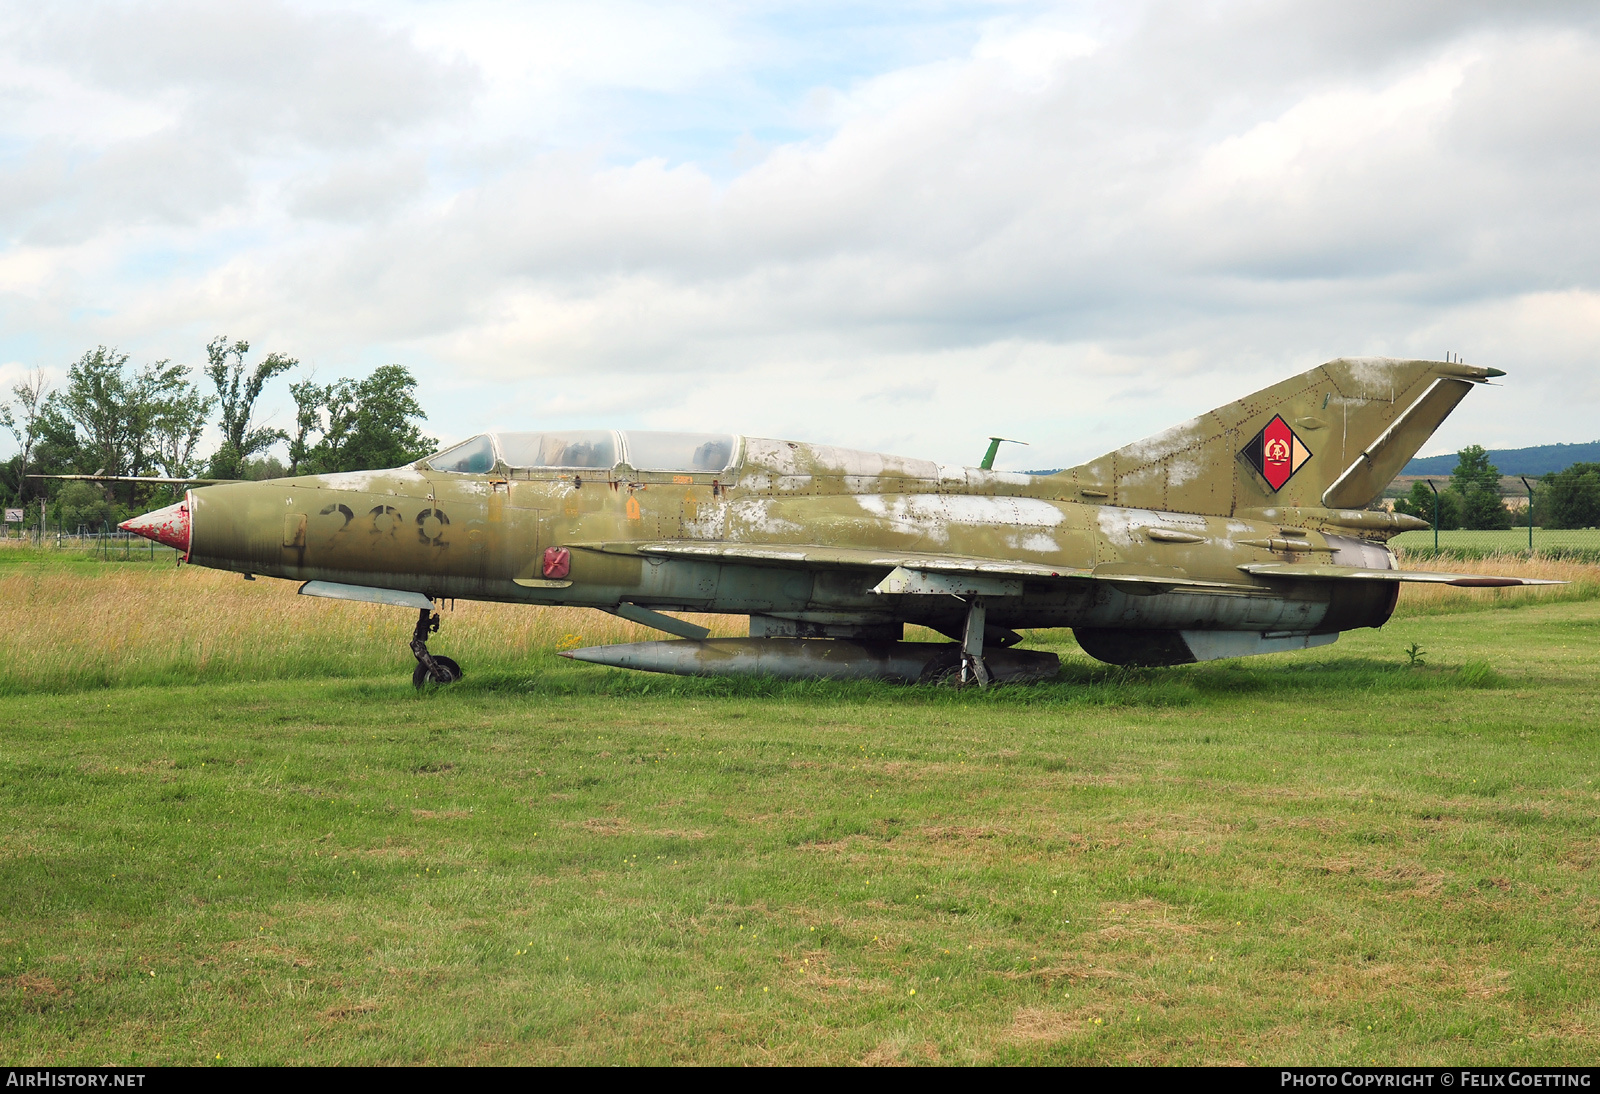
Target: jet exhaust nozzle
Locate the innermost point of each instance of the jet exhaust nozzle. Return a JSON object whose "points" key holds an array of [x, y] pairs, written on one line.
{"points": [[170, 526], [816, 659]]}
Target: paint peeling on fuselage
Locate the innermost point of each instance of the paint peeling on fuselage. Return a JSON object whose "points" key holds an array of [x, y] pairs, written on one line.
{"points": [[754, 519], [398, 481], [827, 461]]}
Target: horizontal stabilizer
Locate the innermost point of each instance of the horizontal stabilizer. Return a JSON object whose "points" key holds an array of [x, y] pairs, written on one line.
{"points": [[1311, 571]]}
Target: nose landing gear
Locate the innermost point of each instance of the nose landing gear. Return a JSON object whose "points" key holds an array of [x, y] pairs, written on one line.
{"points": [[430, 668]]}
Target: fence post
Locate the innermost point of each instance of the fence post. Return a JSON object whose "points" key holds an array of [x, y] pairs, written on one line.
{"points": [[1529, 485], [1435, 490]]}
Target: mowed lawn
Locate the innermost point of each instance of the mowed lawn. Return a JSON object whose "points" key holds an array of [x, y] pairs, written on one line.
{"points": [[1335, 856]]}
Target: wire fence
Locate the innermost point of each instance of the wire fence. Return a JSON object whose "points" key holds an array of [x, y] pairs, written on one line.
{"points": [[107, 545], [1560, 544]]}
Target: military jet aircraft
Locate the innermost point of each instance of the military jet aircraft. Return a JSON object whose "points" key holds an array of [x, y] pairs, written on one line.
{"points": [[1251, 529]]}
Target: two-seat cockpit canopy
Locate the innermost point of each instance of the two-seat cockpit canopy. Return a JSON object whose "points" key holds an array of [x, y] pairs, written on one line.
{"points": [[589, 449]]}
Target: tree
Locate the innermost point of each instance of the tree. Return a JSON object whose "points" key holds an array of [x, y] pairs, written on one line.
{"points": [[262, 467], [384, 433], [237, 394], [364, 424], [1419, 503], [96, 403], [1483, 508], [165, 417], [24, 419], [1477, 482], [309, 401], [83, 505], [178, 418], [128, 423], [60, 451], [1473, 467], [1570, 498]]}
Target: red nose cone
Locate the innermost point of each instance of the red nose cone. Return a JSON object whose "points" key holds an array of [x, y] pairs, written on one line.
{"points": [[169, 526]]}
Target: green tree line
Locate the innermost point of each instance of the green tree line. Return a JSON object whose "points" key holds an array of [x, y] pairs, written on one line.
{"points": [[1562, 499], [111, 417]]}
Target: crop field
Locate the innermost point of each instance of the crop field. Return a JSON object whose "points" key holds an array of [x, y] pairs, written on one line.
{"points": [[1578, 544], [231, 832]]}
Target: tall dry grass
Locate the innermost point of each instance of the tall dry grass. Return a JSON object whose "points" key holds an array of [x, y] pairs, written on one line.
{"points": [[1583, 583], [107, 624], [101, 625]]}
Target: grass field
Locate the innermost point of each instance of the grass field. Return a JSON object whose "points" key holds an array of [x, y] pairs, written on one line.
{"points": [[233, 833]]}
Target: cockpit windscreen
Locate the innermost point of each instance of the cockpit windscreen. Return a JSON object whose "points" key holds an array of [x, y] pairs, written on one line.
{"points": [[474, 457], [678, 451], [587, 448]]}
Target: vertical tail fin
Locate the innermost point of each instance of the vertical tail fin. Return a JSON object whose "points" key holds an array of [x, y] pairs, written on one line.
{"points": [[1330, 438]]}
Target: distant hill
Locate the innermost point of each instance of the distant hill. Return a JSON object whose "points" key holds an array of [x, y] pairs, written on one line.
{"points": [[1516, 461]]}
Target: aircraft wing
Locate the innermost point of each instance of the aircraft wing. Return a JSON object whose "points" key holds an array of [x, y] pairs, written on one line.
{"points": [[817, 557], [1312, 571], [813, 556]]}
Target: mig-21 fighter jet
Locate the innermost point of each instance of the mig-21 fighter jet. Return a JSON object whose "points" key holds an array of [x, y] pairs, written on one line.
{"points": [[1251, 529]]}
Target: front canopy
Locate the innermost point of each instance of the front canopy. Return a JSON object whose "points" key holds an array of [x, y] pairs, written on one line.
{"points": [[590, 449]]}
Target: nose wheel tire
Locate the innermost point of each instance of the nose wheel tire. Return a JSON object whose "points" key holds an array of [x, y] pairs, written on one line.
{"points": [[446, 671], [430, 668]]}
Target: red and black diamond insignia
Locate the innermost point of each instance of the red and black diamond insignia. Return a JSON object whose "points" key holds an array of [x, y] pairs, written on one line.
{"points": [[1276, 452]]}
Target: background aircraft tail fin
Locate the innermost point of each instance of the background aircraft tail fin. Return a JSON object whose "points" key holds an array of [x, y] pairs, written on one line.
{"points": [[1330, 438]]}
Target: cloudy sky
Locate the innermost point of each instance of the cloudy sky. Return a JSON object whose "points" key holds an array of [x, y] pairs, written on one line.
{"points": [[894, 226]]}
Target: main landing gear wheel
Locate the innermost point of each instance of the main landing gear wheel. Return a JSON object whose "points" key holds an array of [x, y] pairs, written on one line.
{"points": [[445, 671], [430, 669]]}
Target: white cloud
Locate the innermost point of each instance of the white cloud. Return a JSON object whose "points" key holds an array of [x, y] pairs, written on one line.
{"points": [[1032, 54], [358, 188], [551, 48], [253, 69]]}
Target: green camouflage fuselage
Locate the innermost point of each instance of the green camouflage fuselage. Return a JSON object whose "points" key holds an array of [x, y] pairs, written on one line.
{"points": [[482, 537]]}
